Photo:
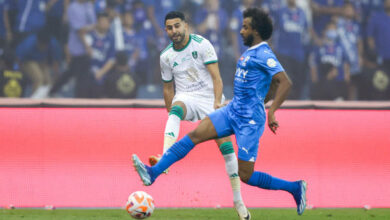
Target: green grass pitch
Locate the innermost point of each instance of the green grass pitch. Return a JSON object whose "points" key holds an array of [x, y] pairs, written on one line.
{"points": [[194, 214]]}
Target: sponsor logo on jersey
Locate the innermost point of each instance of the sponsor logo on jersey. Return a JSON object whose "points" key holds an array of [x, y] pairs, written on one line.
{"points": [[175, 64], [241, 72]]}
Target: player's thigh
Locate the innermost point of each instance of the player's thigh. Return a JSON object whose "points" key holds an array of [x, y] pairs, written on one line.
{"points": [[182, 105], [248, 141], [205, 131], [189, 105], [221, 122]]}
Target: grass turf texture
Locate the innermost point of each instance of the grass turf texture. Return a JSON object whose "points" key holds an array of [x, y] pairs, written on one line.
{"points": [[195, 214]]}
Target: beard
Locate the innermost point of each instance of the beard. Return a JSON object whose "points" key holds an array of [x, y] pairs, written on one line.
{"points": [[248, 41], [179, 38]]}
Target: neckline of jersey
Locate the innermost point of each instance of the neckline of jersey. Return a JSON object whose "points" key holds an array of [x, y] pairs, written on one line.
{"points": [[257, 45], [188, 43]]}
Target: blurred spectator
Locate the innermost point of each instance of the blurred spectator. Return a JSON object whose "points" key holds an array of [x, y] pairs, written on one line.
{"points": [[235, 26], [82, 19], [121, 82], [31, 17], [12, 80], [212, 22], [349, 32], [102, 44], [323, 11], [156, 13], [329, 67], [57, 19], [273, 7], [292, 26], [5, 26], [113, 10], [100, 6], [379, 41], [144, 28], [137, 27], [135, 45], [38, 55]]}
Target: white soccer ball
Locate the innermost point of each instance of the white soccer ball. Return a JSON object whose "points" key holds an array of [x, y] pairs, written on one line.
{"points": [[140, 205]]}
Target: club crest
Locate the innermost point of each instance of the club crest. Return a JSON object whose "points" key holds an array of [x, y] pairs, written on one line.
{"points": [[195, 54]]}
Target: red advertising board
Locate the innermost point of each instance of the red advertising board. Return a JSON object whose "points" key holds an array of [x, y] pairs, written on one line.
{"points": [[80, 157]]}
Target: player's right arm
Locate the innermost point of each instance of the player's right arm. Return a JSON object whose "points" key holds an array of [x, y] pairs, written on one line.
{"points": [[281, 95], [167, 78], [168, 94]]}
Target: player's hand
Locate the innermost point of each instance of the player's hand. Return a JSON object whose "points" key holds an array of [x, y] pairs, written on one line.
{"points": [[272, 123], [218, 105]]}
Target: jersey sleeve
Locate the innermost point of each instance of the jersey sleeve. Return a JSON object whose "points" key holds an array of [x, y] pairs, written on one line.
{"points": [[207, 52], [269, 62], [166, 71]]}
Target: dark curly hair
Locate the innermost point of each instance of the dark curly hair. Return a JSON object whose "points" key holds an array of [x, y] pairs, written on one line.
{"points": [[261, 22]]}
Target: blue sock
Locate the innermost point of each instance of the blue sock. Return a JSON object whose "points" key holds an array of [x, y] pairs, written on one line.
{"points": [[266, 181], [179, 150]]}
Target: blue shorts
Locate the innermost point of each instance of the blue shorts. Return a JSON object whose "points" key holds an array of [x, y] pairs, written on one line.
{"points": [[247, 131]]}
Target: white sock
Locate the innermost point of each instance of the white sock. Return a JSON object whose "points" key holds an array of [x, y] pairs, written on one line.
{"points": [[171, 133], [231, 165]]}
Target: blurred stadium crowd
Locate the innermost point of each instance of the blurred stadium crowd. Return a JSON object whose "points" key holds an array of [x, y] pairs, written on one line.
{"points": [[331, 49]]}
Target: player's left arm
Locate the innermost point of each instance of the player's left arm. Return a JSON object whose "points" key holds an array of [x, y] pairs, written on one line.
{"points": [[217, 83], [281, 94]]}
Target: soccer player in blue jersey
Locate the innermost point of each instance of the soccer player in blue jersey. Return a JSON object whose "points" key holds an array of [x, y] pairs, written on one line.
{"points": [[245, 115]]}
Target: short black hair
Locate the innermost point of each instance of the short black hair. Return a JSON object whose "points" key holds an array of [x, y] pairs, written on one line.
{"points": [[175, 14], [261, 22]]}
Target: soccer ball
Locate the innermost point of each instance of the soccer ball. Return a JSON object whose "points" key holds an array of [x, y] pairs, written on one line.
{"points": [[140, 205]]}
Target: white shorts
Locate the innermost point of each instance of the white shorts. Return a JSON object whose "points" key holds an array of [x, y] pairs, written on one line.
{"points": [[198, 107]]}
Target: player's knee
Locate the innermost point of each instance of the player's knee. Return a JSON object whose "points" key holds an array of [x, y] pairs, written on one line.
{"points": [[245, 174], [195, 136], [178, 111]]}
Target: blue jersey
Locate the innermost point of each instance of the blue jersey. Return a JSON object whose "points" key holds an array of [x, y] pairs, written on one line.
{"points": [[31, 15], [331, 53], [244, 116], [292, 27], [103, 49], [133, 43], [349, 34], [254, 73]]}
